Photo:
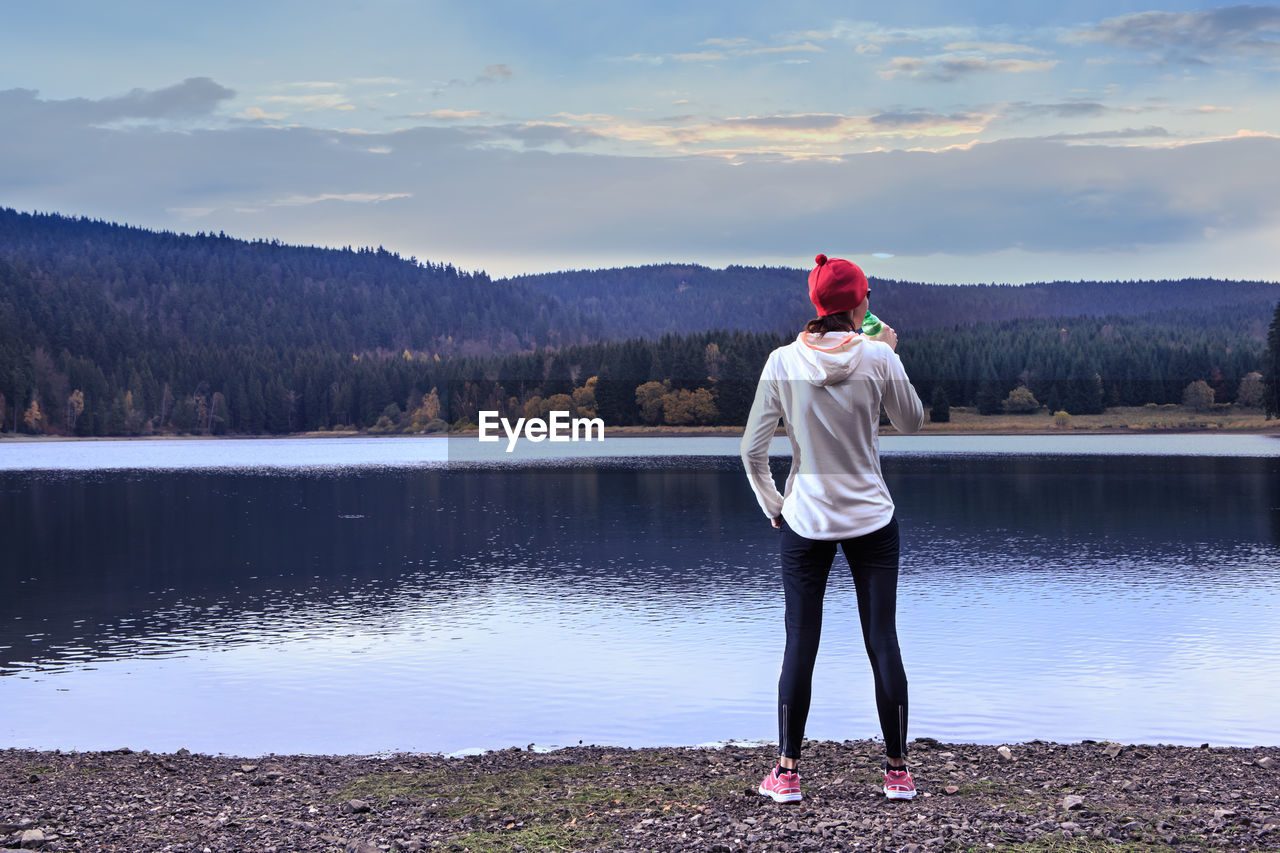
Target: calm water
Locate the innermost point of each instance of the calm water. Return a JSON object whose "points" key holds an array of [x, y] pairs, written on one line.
{"points": [[341, 596]]}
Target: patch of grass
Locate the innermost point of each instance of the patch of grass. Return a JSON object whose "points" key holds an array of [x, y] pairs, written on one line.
{"points": [[539, 837], [460, 796], [559, 807], [38, 768], [979, 788], [1050, 844]]}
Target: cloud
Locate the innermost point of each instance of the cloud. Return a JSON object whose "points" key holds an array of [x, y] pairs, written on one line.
{"points": [[360, 198], [455, 193], [698, 56], [194, 97], [308, 103], [1148, 132], [1198, 37], [499, 73], [451, 115], [946, 67], [727, 42], [1062, 109], [257, 114], [1068, 109], [791, 135], [495, 73], [725, 48], [805, 47], [803, 121], [916, 118], [997, 48], [541, 134], [871, 32]]}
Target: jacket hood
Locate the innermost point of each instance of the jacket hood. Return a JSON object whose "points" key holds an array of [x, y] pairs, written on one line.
{"points": [[828, 359]]}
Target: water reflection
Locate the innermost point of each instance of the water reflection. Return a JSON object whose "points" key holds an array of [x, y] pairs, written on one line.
{"points": [[634, 602]]}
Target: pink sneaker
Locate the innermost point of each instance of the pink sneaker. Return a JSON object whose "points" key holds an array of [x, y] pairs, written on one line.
{"points": [[784, 788], [898, 784]]}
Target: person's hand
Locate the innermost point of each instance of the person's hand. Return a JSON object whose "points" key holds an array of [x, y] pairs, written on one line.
{"points": [[776, 521], [887, 335]]}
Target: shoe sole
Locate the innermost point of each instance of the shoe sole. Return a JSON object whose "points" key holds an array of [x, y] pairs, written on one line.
{"points": [[780, 798], [899, 795]]}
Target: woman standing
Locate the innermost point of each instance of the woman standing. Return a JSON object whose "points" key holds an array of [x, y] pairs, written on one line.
{"points": [[828, 387]]}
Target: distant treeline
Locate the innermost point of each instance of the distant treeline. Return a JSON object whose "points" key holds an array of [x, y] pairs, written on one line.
{"points": [[651, 301], [108, 330]]}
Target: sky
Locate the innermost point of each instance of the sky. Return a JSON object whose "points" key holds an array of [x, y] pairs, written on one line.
{"points": [[954, 141]]}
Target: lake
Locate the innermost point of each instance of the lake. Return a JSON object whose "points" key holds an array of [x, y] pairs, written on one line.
{"points": [[371, 595]]}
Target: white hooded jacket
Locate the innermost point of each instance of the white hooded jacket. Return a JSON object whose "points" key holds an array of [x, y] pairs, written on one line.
{"points": [[828, 390]]}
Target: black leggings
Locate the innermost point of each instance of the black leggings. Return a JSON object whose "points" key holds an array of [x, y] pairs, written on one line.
{"points": [[806, 563]]}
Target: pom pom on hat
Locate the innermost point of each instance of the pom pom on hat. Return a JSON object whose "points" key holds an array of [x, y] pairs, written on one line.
{"points": [[820, 260]]}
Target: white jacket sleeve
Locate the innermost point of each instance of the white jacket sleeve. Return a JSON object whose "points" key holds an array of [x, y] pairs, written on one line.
{"points": [[901, 402], [762, 423]]}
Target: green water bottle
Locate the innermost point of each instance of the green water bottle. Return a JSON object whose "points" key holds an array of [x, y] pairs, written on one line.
{"points": [[871, 324]]}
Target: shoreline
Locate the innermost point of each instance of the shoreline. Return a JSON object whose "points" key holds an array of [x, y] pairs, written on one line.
{"points": [[683, 432], [1034, 796]]}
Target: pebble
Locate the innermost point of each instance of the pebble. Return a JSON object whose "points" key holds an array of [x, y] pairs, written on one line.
{"points": [[1072, 801], [361, 847], [1266, 762], [1111, 750], [951, 789], [355, 807], [1005, 753]]}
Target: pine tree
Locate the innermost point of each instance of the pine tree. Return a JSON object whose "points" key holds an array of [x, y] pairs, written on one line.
{"points": [[988, 397], [940, 411]]}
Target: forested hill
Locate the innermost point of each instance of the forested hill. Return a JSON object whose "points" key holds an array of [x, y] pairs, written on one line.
{"points": [[109, 330], [681, 299], [113, 288], [93, 285]]}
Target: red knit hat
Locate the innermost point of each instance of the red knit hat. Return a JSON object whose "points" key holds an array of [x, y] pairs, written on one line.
{"points": [[836, 285]]}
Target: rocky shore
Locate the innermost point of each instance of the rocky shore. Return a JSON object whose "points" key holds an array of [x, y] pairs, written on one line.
{"points": [[1035, 796]]}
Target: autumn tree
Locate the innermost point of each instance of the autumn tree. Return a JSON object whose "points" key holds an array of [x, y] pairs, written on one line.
{"points": [[536, 407], [682, 407], [649, 397], [1198, 396], [584, 398], [428, 410], [133, 415], [33, 418], [714, 359], [1020, 401], [75, 408], [1252, 390]]}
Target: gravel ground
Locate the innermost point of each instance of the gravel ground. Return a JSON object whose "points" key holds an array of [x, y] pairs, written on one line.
{"points": [[1033, 796]]}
